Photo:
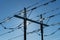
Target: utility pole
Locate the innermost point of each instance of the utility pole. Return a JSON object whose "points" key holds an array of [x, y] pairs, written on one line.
{"points": [[27, 19], [41, 26], [25, 26]]}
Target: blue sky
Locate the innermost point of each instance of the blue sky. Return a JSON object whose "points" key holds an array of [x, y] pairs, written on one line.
{"points": [[8, 8]]}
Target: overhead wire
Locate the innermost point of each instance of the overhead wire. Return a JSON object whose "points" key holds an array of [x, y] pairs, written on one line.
{"points": [[29, 6], [34, 8], [53, 32], [31, 9], [18, 27], [33, 31], [51, 17], [6, 19], [37, 31], [39, 6], [55, 24], [12, 28], [49, 11]]}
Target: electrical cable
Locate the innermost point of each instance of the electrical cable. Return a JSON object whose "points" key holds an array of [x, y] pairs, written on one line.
{"points": [[34, 8], [33, 32], [52, 16], [11, 30], [55, 24], [53, 32], [6, 19], [30, 6], [15, 27], [31, 9], [39, 6], [49, 11]]}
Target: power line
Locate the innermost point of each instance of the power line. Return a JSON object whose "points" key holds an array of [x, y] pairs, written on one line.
{"points": [[38, 31], [20, 24], [44, 4], [53, 32], [50, 11], [8, 18], [39, 6]]}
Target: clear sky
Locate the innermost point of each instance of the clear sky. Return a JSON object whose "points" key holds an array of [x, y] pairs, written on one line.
{"points": [[8, 8]]}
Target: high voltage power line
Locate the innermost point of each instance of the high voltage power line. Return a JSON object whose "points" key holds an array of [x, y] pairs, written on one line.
{"points": [[46, 18], [34, 32], [8, 18], [36, 16], [39, 30]]}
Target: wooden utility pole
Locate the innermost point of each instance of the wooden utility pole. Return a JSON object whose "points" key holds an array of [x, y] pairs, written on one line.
{"points": [[25, 25], [41, 26]]}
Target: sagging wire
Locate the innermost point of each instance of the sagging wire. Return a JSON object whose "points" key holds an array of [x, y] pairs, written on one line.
{"points": [[15, 37], [32, 8], [52, 16], [39, 6], [12, 30], [6, 32], [46, 13], [16, 28], [22, 11], [39, 29], [29, 6], [22, 34], [30, 13], [53, 32], [34, 32], [3, 26], [44, 27], [55, 24], [44, 4], [6, 19], [49, 11]]}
